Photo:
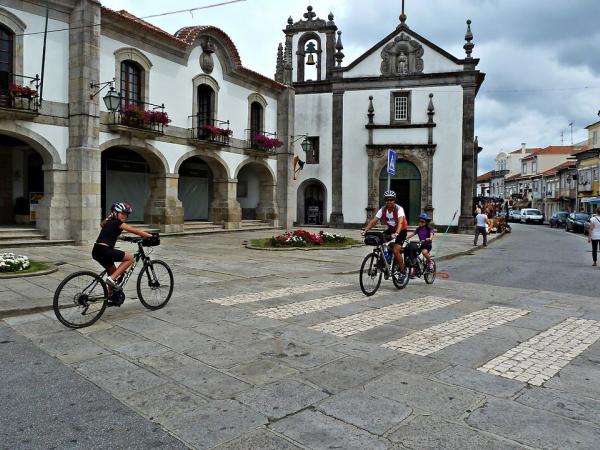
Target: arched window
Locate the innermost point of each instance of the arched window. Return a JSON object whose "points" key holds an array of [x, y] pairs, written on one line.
{"points": [[6, 60], [256, 119], [131, 82], [206, 105]]}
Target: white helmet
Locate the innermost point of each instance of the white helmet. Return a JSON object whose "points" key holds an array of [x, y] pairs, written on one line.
{"points": [[389, 194]]}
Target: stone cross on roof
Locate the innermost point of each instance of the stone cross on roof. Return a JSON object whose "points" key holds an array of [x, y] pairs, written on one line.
{"points": [[309, 14], [402, 15]]}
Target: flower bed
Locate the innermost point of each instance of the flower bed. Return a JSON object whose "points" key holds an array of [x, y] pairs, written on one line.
{"points": [[303, 238], [9, 262]]}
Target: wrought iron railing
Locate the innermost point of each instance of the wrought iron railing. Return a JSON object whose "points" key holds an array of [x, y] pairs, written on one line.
{"points": [[141, 115], [211, 130], [20, 92], [262, 140]]}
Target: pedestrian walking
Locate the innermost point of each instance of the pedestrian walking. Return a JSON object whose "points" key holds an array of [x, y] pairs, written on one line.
{"points": [[481, 224], [594, 235]]}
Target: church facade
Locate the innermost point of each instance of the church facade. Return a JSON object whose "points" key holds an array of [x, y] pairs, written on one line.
{"points": [[405, 94], [197, 137]]}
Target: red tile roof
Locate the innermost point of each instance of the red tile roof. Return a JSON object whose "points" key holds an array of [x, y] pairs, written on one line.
{"points": [[187, 36], [512, 177], [485, 177], [527, 150], [554, 170], [553, 150]]}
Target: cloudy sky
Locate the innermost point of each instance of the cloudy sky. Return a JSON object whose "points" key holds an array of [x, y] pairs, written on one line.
{"points": [[540, 56]]}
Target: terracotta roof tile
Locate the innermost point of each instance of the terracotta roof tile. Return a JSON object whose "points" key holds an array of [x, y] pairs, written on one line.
{"points": [[556, 169], [485, 177]]}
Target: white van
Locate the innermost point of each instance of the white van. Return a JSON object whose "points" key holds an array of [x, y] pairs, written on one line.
{"points": [[530, 215]]}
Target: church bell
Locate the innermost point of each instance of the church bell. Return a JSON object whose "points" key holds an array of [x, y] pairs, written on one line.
{"points": [[311, 60]]}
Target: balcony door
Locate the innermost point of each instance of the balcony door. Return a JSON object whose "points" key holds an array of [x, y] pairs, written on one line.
{"points": [[6, 63], [206, 102], [256, 119], [131, 83]]}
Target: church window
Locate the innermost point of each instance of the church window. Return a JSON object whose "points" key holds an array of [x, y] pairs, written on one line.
{"points": [[131, 82], [312, 157], [400, 107]]}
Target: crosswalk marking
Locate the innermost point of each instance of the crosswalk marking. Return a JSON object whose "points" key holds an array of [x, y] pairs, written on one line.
{"points": [[440, 336], [357, 323], [283, 292], [309, 306], [538, 359]]}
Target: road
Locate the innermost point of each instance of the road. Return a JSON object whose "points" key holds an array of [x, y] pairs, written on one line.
{"points": [[532, 257]]}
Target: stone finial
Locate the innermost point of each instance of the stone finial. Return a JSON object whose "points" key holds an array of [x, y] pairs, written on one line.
{"points": [[469, 37], [371, 110], [402, 16], [430, 108], [279, 66], [339, 56], [330, 18], [290, 21], [309, 14]]}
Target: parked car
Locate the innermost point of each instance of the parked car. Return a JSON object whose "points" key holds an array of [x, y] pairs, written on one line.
{"points": [[576, 222], [530, 215], [559, 219], [586, 226], [514, 215]]}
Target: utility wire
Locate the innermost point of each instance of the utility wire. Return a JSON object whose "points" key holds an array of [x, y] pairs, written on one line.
{"points": [[168, 13]]}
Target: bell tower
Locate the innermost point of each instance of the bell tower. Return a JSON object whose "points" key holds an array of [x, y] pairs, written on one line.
{"points": [[310, 51]]}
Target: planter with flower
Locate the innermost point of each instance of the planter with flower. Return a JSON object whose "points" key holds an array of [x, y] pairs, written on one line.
{"points": [[216, 134], [303, 238], [136, 116], [20, 91], [12, 265], [261, 141]]}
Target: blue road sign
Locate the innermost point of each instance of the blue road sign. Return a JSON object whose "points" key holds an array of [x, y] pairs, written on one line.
{"points": [[391, 162]]}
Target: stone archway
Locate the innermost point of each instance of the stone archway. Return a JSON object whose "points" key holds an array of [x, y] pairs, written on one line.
{"points": [[311, 203], [407, 186], [256, 191]]}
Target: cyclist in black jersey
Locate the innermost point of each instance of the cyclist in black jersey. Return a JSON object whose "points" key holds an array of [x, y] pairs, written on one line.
{"points": [[104, 249]]}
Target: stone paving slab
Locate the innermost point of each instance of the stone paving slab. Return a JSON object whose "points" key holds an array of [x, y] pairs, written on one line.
{"points": [[262, 371], [480, 382], [374, 414], [326, 432], [262, 439], [532, 427]]}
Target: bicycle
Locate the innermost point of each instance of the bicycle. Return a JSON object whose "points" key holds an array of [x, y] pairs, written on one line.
{"points": [[375, 265], [82, 297], [416, 263]]}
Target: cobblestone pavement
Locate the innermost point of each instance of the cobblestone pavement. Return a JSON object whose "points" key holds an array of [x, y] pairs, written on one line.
{"points": [[300, 360]]}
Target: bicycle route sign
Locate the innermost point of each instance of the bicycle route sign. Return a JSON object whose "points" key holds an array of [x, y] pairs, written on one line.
{"points": [[391, 162]]}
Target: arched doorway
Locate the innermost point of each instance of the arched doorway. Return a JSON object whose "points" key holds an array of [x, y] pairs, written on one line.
{"points": [[125, 178], [256, 192], [195, 189], [21, 179], [312, 203], [407, 185]]}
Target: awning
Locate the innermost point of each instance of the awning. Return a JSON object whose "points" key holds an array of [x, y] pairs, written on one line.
{"points": [[590, 200]]}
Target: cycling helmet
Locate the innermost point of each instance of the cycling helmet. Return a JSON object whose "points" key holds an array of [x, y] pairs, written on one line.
{"points": [[424, 216], [389, 194], [122, 208]]}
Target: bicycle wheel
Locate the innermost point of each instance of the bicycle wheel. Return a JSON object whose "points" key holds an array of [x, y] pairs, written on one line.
{"points": [[399, 283], [155, 285], [370, 275], [80, 299], [430, 273]]}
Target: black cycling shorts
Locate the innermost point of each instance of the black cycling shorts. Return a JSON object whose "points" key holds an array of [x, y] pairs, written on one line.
{"points": [[387, 234], [426, 246], [107, 256]]}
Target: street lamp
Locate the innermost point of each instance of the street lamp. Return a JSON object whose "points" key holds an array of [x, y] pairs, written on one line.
{"points": [[112, 99]]}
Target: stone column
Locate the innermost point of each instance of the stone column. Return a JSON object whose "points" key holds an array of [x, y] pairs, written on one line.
{"points": [[225, 209], [267, 208], [83, 153], [285, 127], [163, 209], [465, 221], [373, 183], [336, 220], [53, 211]]}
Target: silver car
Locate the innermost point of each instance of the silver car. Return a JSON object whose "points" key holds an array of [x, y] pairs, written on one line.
{"points": [[530, 215]]}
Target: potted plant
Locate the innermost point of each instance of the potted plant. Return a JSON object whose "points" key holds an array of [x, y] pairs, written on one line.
{"points": [[214, 132], [17, 90], [132, 115], [264, 142], [22, 211]]}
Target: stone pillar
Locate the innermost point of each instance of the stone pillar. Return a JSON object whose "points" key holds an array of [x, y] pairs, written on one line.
{"points": [[225, 209], [373, 183], [53, 211], [83, 153], [163, 209], [336, 220], [267, 208], [465, 221], [285, 154]]}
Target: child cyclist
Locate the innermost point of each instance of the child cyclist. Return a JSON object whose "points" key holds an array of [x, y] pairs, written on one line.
{"points": [[104, 249], [426, 233]]}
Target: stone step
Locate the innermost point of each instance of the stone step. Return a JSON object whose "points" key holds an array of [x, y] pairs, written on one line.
{"points": [[9, 229], [33, 243], [189, 226], [20, 236], [217, 230]]}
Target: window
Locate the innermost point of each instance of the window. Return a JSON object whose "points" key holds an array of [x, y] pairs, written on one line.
{"points": [[524, 168], [595, 174], [400, 107], [595, 138], [533, 166], [131, 83], [206, 99], [6, 60], [256, 119], [312, 156]]}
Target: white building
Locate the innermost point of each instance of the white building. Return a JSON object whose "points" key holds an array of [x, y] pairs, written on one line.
{"points": [[404, 93]]}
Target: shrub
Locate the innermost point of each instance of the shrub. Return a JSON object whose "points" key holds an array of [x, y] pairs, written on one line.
{"points": [[9, 262]]}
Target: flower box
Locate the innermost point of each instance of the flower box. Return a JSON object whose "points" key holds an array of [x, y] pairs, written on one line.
{"points": [[17, 90], [264, 142], [216, 131]]}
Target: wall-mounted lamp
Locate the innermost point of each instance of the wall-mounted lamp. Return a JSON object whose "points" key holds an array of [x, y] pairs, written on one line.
{"points": [[112, 99], [306, 144]]}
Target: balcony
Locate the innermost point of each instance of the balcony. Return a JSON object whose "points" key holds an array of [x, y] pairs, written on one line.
{"points": [[567, 193], [585, 186], [144, 120], [211, 131], [261, 143], [20, 99]]}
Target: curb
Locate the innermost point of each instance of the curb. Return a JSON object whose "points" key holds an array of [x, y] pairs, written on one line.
{"points": [[304, 249], [11, 275]]}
